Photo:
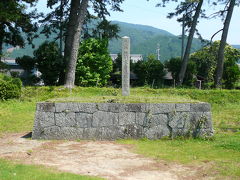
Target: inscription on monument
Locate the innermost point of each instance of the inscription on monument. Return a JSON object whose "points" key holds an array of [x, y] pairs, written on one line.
{"points": [[125, 66]]}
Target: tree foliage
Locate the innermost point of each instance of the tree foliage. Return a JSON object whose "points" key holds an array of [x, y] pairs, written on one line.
{"points": [[26, 62], [49, 62], [174, 66], [206, 60], [149, 72], [9, 87], [75, 25], [15, 19], [94, 63], [220, 57]]}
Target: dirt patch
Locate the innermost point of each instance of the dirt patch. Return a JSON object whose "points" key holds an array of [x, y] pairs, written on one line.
{"points": [[96, 158]]}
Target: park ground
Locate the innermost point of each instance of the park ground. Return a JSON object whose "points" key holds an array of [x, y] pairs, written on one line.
{"points": [[214, 158]]}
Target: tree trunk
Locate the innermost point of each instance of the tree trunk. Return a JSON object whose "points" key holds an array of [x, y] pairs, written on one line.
{"points": [[61, 28], [183, 36], [62, 72], [189, 43], [1, 40], [1, 47], [220, 56], [76, 19]]}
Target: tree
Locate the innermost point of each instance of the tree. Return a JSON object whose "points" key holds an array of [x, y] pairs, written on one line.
{"points": [[94, 63], [220, 57], [189, 42], [26, 62], [9, 87], [106, 30], [231, 73], [78, 10], [206, 60], [56, 20], [77, 15], [49, 62], [174, 66], [14, 19], [187, 8], [149, 72]]}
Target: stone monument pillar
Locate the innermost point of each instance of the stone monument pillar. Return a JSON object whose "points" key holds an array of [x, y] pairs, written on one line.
{"points": [[125, 66]]}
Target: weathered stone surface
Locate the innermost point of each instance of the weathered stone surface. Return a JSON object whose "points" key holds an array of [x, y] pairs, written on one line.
{"points": [[110, 121], [87, 107], [51, 133], [112, 133], [111, 107], [84, 120], [179, 119], [92, 133], [180, 124], [46, 107], [132, 131], [135, 107], [202, 124], [66, 107], [141, 119], [157, 132], [125, 66], [159, 119], [200, 107], [46, 119], [183, 107], [70, 133], [65, 119], [103, 119], [160, 108], [126, 118]]}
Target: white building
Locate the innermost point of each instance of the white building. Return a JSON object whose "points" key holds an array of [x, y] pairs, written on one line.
{"points": [[134, 57], [13, 66]]}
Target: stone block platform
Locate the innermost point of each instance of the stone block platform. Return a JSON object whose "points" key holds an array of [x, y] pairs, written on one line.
{"points": [[110, 121]]}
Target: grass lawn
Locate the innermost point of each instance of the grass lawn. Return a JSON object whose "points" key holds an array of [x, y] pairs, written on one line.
{"points": [[221, 153], [13, 171]]}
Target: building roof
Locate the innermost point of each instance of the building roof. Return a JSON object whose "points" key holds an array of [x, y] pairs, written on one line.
{"points": [[9, 61]]}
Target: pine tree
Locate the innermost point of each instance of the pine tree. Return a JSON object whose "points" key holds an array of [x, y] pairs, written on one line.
{"points": [[189, 12], [220, 56], [14, 21], [78, 11]]}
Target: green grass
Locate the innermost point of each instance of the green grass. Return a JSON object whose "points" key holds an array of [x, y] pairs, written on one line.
{"points": [[16, 116], [13, 171], [222, 152]]}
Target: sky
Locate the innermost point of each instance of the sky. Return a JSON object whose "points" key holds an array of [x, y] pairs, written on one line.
{"points": [[146, 13]]}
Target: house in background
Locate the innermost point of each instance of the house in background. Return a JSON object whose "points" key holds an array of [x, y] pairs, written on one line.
{"points": [[14, 69], [134, 57], [13, 66]]}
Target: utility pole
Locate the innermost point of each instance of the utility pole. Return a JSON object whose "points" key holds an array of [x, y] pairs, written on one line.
{"points": [[158, 52]]}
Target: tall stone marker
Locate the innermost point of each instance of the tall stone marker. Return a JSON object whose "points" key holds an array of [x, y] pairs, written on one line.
{"points": [[125, 66]]}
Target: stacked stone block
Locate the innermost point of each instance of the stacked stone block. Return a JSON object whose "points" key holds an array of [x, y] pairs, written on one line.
{"points": [[110, 121]]}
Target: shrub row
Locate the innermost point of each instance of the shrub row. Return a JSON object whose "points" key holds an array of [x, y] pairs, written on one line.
{"points": [[9, 87]]}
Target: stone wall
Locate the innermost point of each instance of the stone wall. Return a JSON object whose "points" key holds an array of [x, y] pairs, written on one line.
{"points": [[110, 121]]}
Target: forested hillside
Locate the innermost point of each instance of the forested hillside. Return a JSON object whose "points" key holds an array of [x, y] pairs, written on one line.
{"points": [[236, 46], [144, 40]]}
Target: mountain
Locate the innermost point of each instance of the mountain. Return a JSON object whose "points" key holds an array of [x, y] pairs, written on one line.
{"points": [[144, 40], [236, 46]]}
